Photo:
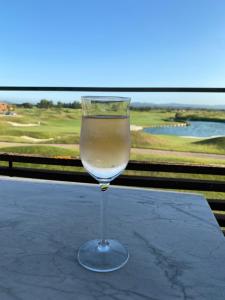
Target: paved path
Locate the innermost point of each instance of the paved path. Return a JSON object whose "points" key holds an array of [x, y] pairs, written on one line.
{"points": [[134, 150]]}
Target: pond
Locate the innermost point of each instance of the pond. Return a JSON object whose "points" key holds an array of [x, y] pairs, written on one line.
{"points": [[196, 129]]}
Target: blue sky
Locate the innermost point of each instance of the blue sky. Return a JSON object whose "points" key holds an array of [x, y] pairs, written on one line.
{"points": [[114, 43]]}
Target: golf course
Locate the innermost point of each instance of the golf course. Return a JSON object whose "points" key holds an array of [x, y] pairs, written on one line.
{"points": [[55, 132]]}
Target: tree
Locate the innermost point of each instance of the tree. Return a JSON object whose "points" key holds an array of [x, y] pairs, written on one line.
{"points": [[44, 103], [178, 116], [27, 105], [59, 104], [75, 104]]}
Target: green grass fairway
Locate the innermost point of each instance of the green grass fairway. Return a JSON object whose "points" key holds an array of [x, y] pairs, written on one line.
{"points": [[41, 150], [152, 117], [53, 151], [60, 125]]}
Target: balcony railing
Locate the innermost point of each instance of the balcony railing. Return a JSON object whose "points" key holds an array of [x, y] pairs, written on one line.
{"points": [[125, 180], [140, 180]]}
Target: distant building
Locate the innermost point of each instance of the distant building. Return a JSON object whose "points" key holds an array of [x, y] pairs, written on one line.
{"points": [[4, 107]]}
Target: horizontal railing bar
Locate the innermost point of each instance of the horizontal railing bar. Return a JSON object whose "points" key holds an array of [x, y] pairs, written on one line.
{"points": [[217, 204], [125, 180], [40, 160], [132, 165], [47, 174], [170, 183], [175, 168], [114, 89], [220, 219]]}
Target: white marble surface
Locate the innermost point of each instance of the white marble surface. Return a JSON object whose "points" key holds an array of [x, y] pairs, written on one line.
{"points": [[177, 250]]}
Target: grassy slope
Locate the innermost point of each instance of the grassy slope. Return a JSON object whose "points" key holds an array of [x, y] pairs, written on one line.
{"points": [[202, 115], [41, 150], [219, 142], [175, 143]]}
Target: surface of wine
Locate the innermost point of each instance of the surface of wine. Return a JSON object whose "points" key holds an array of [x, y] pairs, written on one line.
{"points": [[105, 145]]}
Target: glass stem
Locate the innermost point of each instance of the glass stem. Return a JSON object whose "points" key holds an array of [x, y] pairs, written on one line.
{"points": [[103, 217]]}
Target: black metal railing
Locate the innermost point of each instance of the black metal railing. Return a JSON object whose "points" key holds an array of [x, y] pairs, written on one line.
{"points": [[12, 160], [114, 89], [128, 180]]}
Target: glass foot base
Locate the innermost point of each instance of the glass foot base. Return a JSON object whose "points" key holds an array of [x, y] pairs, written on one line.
{"points": [[108, 257]]}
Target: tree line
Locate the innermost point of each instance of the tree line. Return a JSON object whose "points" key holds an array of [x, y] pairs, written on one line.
{"points": [[44, 103]]}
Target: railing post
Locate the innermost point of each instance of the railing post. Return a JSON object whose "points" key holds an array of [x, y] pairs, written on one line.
{"points": [[10, 166]]}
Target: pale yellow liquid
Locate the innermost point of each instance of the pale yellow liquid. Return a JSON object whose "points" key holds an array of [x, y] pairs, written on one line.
{"points": [[105, 145]]}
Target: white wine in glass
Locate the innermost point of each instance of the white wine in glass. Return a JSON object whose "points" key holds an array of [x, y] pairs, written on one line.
{"points": [[104, 144], [104, 151]]}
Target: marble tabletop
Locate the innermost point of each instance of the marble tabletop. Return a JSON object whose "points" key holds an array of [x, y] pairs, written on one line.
{"points": [[177, 250]]}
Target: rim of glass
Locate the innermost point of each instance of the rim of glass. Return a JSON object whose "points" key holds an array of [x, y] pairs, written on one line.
{"points": [[106, 98]]}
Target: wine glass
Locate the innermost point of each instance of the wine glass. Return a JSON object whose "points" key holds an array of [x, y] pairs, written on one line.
{"points": [[104, 151]]}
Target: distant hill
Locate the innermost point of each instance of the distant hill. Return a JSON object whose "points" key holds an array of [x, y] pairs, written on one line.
{"points": [[136, 104], [176, 106]]}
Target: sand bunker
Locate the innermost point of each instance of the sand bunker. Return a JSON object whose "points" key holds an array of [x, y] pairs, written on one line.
{"points": [[15, 124], [34, 140], [135, 128]]}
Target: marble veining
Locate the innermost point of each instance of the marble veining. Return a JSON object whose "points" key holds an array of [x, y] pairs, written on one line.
{"points": [[177, 250]]}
